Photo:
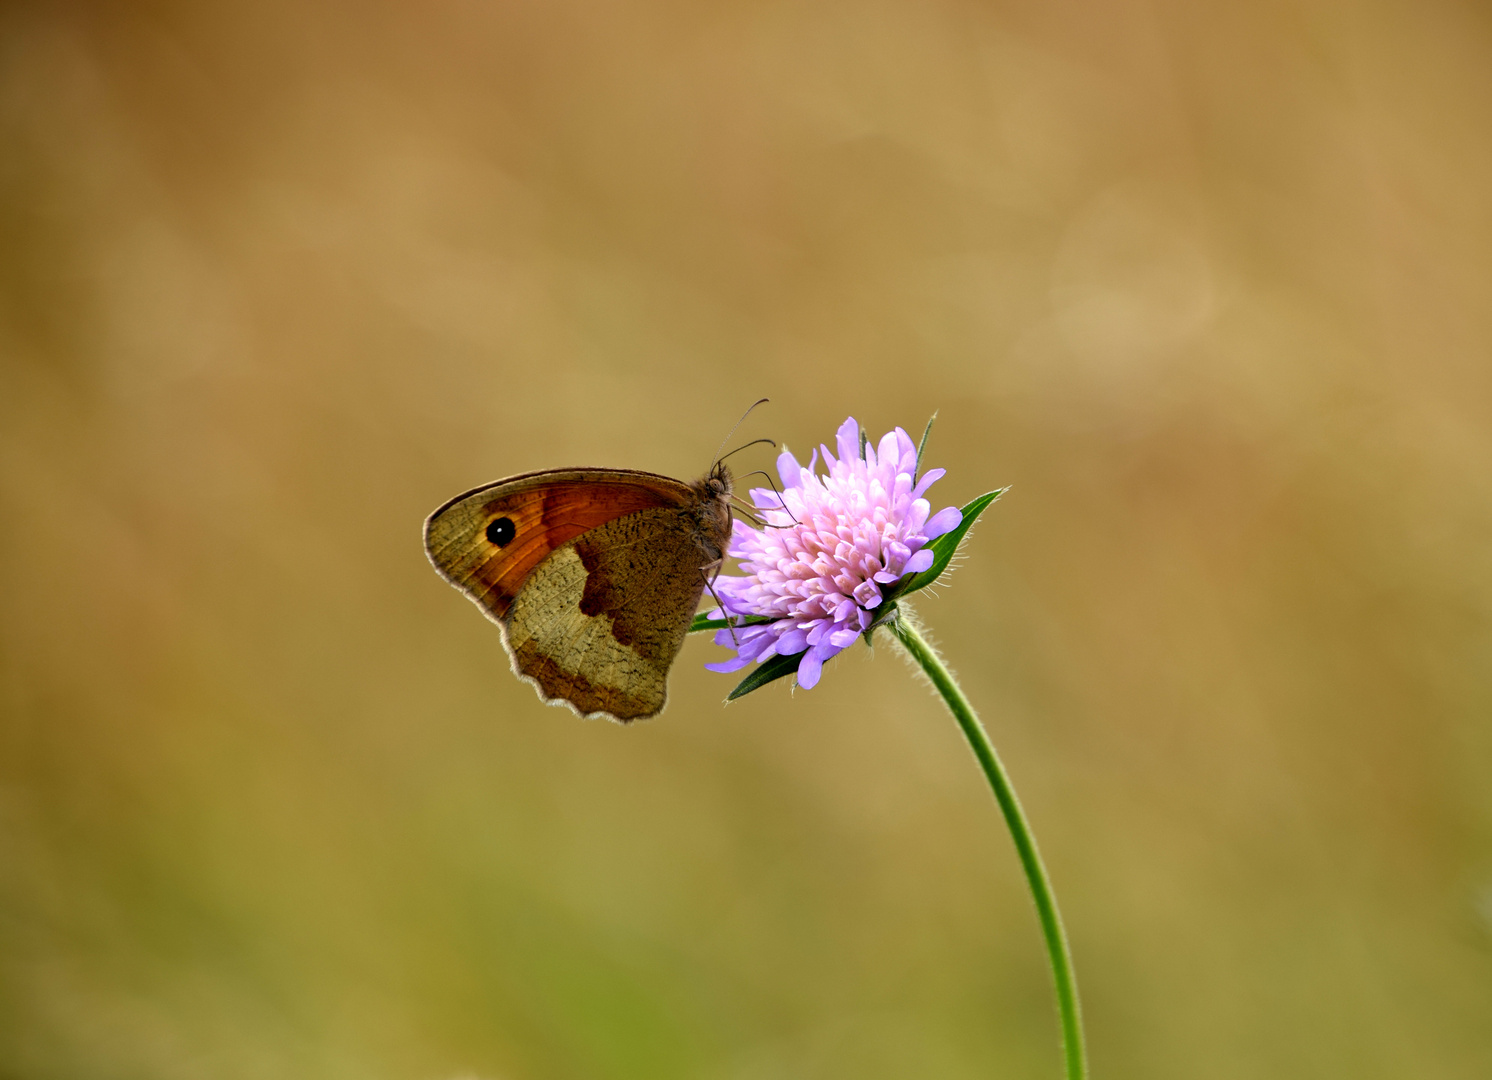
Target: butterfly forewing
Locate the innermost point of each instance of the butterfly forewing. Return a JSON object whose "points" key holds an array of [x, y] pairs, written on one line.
{"points": [[546, 509]]}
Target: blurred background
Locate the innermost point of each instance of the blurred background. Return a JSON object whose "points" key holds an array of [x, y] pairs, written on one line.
{"points": [[1209, 285]]}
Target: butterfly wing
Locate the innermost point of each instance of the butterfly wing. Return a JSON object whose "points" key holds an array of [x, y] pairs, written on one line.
{"points": [[593, 574], [601, 619], [469, 546]]}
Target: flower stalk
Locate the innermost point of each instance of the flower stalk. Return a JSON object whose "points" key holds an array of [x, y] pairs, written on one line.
{"points": [[1060, 956]]}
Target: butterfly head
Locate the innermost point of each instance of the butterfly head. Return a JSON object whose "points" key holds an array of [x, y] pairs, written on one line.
{"points": [[712, 509], [718, 483]]}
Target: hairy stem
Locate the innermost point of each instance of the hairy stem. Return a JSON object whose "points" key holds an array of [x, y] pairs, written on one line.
{"points": [[906, 632]]}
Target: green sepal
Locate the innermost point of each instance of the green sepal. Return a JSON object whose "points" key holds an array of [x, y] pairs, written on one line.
{"points": [[917, 468], [704, 622], [778, 667], [886, 614], [944, 546]]}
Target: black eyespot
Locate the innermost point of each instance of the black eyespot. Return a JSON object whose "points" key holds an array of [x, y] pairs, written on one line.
{"points": [[501, 531]]}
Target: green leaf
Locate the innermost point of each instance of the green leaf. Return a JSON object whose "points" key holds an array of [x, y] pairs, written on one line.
{"points": [[704, 622], [944, 546], [778, 667]]}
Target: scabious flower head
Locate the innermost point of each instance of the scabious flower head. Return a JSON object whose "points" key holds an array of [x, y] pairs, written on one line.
{"points": [[834, 547]]}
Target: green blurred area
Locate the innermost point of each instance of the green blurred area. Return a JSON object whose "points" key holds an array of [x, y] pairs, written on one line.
{"points": [[1209, 285]]}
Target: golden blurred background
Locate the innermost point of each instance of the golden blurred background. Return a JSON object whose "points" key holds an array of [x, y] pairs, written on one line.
{"points": [[1209, 285]]}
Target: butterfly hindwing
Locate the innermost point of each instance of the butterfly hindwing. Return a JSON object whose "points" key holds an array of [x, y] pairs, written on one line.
{"points": [[600, 620]]}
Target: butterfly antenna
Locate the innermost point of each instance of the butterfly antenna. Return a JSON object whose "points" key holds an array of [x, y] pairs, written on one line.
{"points": [[745, 446], [738, 423]]}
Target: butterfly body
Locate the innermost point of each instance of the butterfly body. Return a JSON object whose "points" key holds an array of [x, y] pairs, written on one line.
{"points": [[593, 575]]}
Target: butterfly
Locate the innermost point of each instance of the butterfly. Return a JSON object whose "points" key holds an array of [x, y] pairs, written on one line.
{"points": [[593, 575]]}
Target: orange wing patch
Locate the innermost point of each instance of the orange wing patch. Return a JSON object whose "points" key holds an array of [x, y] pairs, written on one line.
{"points": [[487, 541]]}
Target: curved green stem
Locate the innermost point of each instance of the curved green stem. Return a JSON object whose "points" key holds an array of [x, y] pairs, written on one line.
{"points": [[1073, 1049]]}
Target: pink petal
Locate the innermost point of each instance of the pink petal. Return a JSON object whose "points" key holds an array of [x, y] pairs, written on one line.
{"points": [[908, 447], [789, 469], [943, 521], [886, 452], [919, 562], [928, 479], [792, 641], [848, 440], [809, 669], [735, 663]]}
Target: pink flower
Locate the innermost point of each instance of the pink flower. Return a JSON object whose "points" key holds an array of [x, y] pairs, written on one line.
{"points": [[833, 548]]}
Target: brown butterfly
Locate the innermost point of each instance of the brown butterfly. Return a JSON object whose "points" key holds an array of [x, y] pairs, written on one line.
{"points": [[592, 574]]}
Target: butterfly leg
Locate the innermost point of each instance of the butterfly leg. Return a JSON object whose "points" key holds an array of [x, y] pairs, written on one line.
{"points": [[781, 502], [745, 510], [710, 585]]}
